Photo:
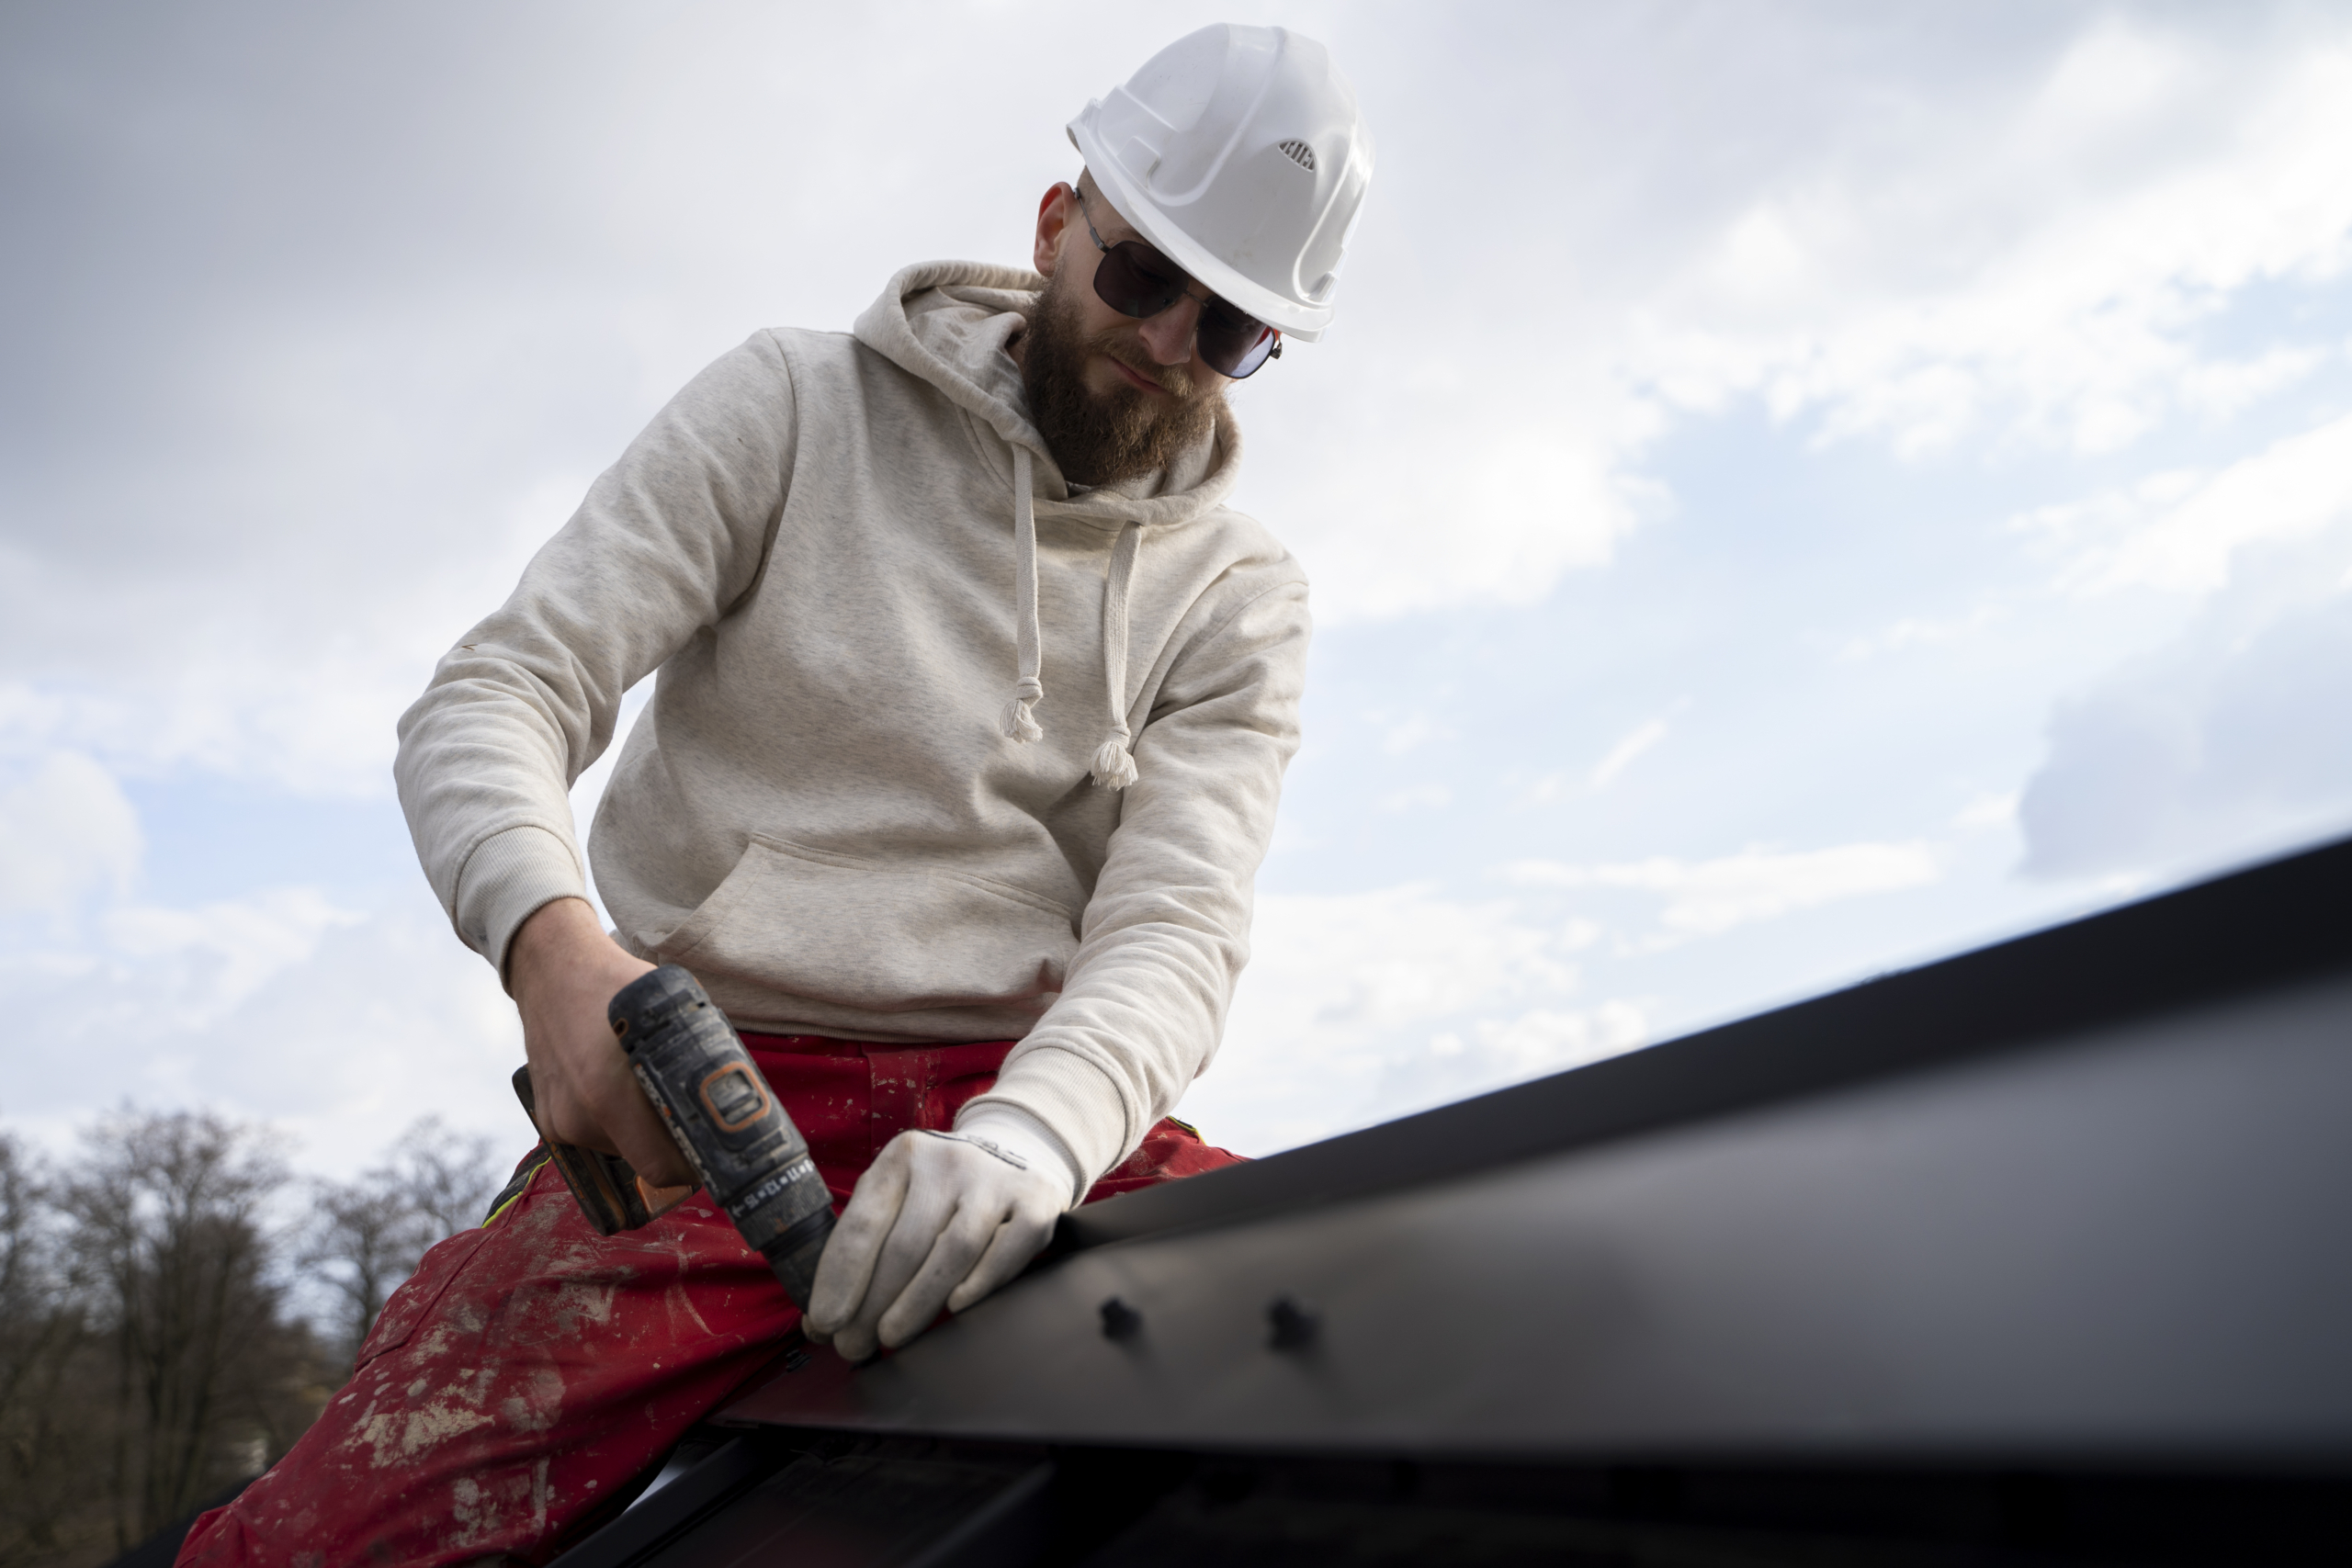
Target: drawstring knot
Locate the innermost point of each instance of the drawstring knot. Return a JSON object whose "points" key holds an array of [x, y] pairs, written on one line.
{"points": [[1020, 724], [1114, 765]]}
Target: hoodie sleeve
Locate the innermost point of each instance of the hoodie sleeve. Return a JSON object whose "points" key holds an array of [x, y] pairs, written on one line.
{"points": [[1166, 934], [668, 539]]}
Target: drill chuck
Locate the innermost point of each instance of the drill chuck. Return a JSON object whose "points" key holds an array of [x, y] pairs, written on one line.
{"points": [[750, 1158]]}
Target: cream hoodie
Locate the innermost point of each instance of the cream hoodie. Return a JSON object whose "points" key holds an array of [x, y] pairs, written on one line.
{"points": [[863, 583]]}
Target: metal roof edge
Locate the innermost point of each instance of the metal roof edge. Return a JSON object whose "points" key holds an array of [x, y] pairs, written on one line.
{"points": [[2265, 924]]}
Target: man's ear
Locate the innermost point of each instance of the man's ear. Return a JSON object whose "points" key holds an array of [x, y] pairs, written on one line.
{"points": [[1054, 214]]}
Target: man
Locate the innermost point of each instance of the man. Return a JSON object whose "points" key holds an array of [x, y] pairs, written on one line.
{"points": [[972, 708]]}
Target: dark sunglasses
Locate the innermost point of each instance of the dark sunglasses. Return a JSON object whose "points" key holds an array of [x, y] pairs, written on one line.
{"points": [[1136, 280]]}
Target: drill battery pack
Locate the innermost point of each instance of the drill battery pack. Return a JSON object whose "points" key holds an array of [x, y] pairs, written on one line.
{"points": [[735, 1132]]}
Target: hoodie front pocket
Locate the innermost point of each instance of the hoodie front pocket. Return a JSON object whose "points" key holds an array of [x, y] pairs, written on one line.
{"points": [[888, 937]]}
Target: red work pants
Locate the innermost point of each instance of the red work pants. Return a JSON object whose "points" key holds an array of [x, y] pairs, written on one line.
{"points": [[532, 1368]]}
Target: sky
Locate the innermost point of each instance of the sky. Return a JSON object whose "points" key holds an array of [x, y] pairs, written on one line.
{"points": [[1791, 491]]}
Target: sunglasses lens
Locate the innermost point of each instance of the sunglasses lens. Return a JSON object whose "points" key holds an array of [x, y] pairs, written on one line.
{"points": [[1136, 280], [1232, 343]]}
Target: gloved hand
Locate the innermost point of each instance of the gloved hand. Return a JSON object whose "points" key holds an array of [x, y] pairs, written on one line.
{"points": [[938, 1219]]}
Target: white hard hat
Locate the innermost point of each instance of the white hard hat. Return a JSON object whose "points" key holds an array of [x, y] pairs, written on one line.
{"points": [[1239, 154]]}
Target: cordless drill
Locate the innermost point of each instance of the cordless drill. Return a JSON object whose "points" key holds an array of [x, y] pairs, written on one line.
{"points": [[743, 1147]]}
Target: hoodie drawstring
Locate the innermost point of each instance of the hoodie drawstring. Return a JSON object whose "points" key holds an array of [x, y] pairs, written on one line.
{"points": [[1114, 765], [1020, 724]]}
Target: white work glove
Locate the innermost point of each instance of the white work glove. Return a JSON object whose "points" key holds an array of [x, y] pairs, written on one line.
{"points": [[938, 1219]]}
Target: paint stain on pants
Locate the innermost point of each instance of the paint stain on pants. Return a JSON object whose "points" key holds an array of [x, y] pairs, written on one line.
{"points": [[531, 1370]]}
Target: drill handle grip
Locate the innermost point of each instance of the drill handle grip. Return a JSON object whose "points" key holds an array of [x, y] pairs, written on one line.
{"points": [[610, 1193]]}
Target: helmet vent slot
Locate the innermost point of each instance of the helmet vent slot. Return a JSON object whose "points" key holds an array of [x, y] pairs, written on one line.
{"points": [[1298, 152]]}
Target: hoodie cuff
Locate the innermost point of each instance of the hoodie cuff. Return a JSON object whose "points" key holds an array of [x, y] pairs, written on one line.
{"points": [[1068, 1096], [510, 877]]}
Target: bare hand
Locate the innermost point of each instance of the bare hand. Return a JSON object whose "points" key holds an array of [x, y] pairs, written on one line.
{"points": [[563, 970]]}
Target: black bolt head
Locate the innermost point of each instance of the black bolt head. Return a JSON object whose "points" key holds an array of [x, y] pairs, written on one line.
{"points": [[1120, 1321], [1293, 1322]]}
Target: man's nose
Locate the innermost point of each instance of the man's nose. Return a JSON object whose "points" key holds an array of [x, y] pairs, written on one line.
{"points": [[1169, 334]]}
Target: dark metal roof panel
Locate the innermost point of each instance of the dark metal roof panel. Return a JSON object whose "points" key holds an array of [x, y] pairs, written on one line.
{"points": [[2078, 1195]]}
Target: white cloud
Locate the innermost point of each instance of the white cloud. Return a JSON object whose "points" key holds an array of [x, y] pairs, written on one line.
{"points": [[1543, 790], [1621, 756], [1997, 810], [1919, 631], [2230, 741], [1493, 1053], [2024, 250], [1549, 1040], [1707, 897], [338, 1026], [1407, 733], [1463, 507], [66, 831], [2179, 531], [2033, 267], [189, 968], [341, 1024], [1341, 1013], [2230, 738], [1419, 797], [2221, 388], [1400, 955]]}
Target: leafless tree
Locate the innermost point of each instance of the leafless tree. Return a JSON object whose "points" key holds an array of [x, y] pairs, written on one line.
{"points": [[47, 1370], [368, 1234], [168, 1214], [454, 1174], [150, 1358], [361, 1244]]}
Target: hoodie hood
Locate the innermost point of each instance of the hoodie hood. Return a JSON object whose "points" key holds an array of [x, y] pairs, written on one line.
{"points": [[948, 323]]}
